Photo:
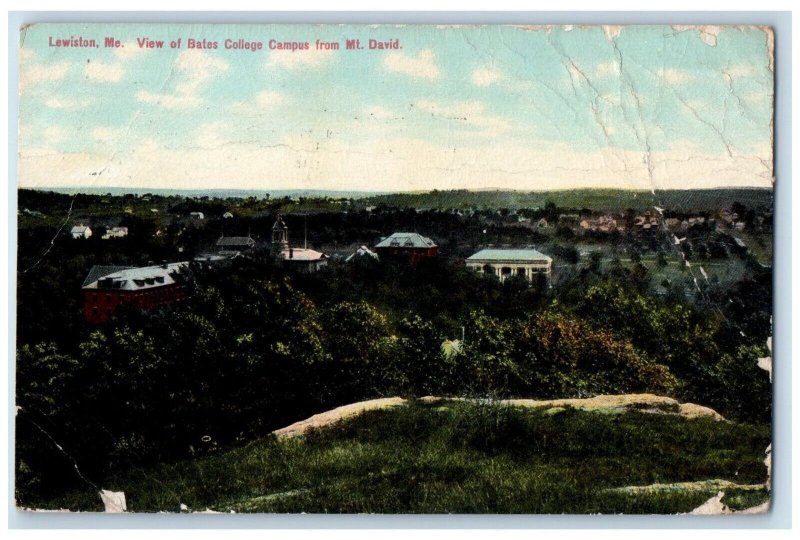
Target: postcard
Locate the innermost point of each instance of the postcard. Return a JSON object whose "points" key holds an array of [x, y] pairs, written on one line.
{"points": [[394, 269]]}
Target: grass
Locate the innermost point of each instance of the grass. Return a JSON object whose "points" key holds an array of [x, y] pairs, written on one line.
{"points": [[460, 458]]}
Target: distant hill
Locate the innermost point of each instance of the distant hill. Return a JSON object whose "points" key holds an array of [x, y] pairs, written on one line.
{"points": [[593, 199], [216, 193]]}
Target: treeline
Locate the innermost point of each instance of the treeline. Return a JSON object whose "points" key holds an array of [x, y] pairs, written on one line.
{"points": [[697, 200], [254, 349]]}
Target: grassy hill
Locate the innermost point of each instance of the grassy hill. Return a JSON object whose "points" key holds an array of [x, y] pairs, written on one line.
{"points": [[462, 458]]}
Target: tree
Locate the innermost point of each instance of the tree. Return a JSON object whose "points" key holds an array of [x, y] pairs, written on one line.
{"points": [[358, 342], [420, 360], [565, 357]]}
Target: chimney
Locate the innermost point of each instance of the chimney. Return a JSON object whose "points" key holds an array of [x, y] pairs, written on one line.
{"points": [[291, 253]]}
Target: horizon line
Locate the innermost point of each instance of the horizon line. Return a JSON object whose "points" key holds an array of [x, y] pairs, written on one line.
{"points": [[379, 193]]}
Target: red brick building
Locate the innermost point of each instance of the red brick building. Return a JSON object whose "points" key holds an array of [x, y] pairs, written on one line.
{"points": [[409, 246], [150, 287]]}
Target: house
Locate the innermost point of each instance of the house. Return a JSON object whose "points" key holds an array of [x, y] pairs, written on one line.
{"points": [[108, 287], [505, 263], [227, 215], [362, 253], [568, 220], [601, 223], [646, 222], [80, 231], [197, 215], [116, 232], [32, 213], [302, 259], [235, 243], [409, 246]]}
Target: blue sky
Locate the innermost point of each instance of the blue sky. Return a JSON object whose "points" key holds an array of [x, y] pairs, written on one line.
{"points": [[645, 107]]}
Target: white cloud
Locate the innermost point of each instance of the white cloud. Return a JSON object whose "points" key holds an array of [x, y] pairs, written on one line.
{"points": [[740, 71], [210, 135], [262, 102], [34, 74], [707, 33], [613, 99], [26, 55], [195, 68], [106, 134], [471, 113], [169, 101], [392, 163], [453, 110], [101, 72], [757, 98], [607, 69], [287, 59], [674, 77], [486, 76], [380, 113], [53, 135], [129, 52], [269, 98], [421, 65], [70, 104], [111, 72], [697, 105]]}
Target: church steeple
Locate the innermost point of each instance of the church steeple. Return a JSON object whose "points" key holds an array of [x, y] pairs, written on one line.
{"points": [[280, 236]]}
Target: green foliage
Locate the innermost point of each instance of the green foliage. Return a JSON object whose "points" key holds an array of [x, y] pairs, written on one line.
{"points": [[567, 357], [256, 347], [460, 458]]}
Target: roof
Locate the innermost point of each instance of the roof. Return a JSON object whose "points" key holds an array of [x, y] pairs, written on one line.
{"points": [[302, 255], [129, 278], [406, 240], [362, 251], [235, 241], [98, 271], [509, 255], [79, 229]]}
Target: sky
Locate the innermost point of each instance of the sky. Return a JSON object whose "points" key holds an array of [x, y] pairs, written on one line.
{"points": [[471, 107]]}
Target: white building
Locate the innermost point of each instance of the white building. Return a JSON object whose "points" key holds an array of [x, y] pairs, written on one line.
{"points": [[116, 232], [300, 258], [80, 231], [505, 263]]}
